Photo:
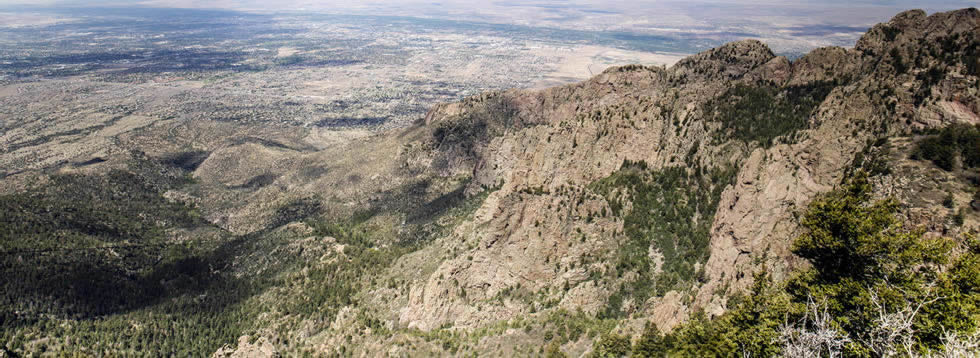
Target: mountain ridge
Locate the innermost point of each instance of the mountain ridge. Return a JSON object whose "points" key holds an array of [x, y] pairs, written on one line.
{"points": [[511, 222], [820, 159]]}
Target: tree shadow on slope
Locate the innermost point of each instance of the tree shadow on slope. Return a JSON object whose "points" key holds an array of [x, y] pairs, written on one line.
{"points": [[87, 246], [100, 308], [459, 138]]}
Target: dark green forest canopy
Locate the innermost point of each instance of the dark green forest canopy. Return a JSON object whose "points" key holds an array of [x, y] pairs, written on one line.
{"points": [[671, 211], [763, 113], [952, 145]]}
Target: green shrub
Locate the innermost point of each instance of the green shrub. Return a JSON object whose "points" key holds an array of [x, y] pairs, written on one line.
{"points": [[750, 327], [611, 345], [891, 33], [948, 200], [651, 344], [959, 217], [873, 159], [897, 61], [864, 263], [958, 141], [553, 350]]}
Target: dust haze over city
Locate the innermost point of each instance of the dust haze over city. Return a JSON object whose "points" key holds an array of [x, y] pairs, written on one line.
{"points": [[247, 178]]}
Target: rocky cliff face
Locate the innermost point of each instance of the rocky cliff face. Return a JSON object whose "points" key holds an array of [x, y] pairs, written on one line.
{"points": [[642, 195], [758, 134]]}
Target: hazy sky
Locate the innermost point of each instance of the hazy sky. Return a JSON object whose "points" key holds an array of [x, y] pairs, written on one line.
{"points": [[329, 5], [600, 14], [796, 23], [499, 9]]}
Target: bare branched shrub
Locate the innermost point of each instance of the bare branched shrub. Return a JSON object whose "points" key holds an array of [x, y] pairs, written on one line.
{"points": [[814, 335], [892, 332], [957, 346]]}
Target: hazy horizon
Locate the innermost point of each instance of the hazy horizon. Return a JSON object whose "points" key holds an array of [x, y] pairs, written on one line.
{"points": [[787, 25]]}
